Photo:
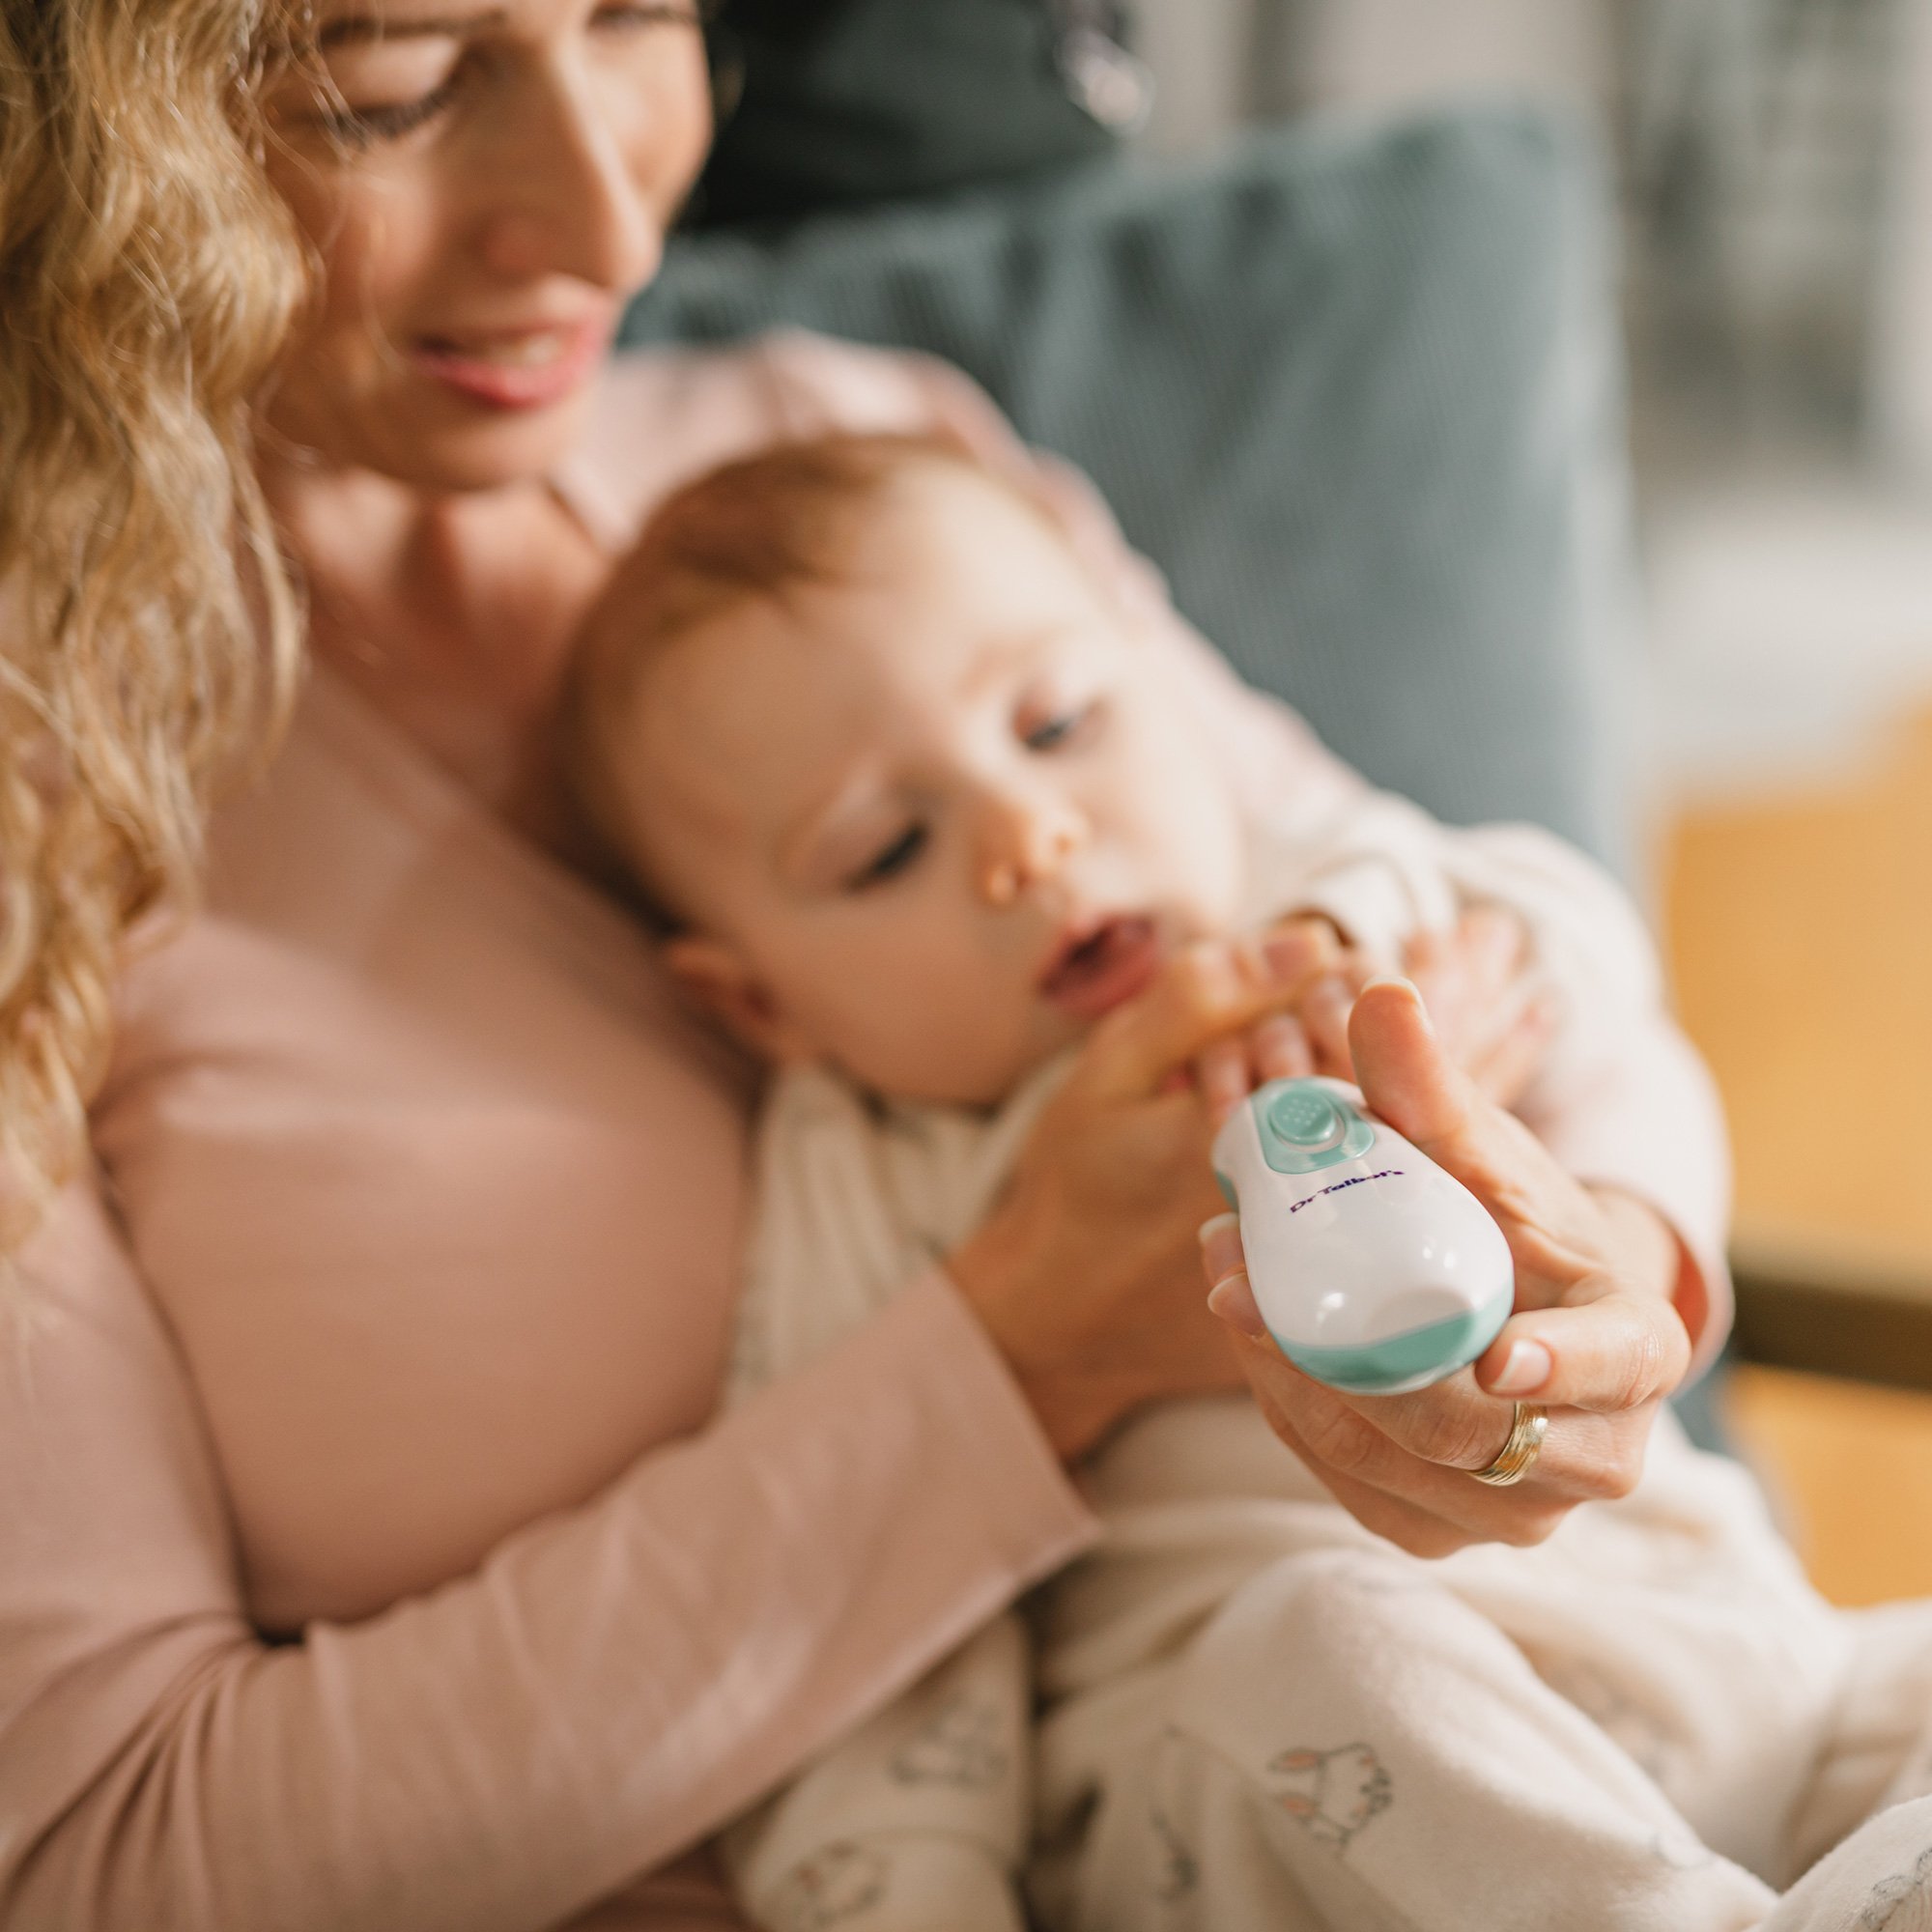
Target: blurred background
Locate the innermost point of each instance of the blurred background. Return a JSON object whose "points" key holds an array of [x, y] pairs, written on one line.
{"points": [[1776, 167]]}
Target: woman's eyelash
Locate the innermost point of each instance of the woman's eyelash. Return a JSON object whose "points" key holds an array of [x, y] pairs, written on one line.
{"points": [[359, 127], [892, 860], [654, 13]]}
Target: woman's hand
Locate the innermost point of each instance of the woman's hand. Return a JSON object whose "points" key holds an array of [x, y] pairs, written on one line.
{"points": [[1593, 1337], [1085, 1273], [1489, 1006]]}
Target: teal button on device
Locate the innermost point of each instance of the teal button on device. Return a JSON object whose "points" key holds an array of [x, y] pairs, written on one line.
{"points": [[1305, 1118], [1303, 1126]]}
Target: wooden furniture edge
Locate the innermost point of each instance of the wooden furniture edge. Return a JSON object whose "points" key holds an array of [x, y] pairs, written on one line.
{"points": [[1835, 1314]]}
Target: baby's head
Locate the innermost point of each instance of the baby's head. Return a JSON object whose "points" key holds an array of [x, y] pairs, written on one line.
{"points": [[916, 794]]}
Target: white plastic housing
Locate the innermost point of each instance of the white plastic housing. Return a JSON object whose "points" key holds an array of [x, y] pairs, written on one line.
{"points": [[1374, 1270]]}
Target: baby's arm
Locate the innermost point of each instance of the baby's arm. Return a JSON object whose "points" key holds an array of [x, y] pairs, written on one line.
{"points": [[917, 1821]]}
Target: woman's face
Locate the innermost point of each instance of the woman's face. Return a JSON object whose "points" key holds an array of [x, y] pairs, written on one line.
{"points": [[485, 182]]}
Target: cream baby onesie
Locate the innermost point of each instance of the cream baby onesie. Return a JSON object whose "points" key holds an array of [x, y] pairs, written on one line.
{"points": [[1254, 1713]]}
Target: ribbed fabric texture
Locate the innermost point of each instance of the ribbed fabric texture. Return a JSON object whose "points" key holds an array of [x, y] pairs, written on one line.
{"points": [[1355, 390]]}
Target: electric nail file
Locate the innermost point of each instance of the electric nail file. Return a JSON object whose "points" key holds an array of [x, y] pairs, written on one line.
{"points": [[1374, 1270]]}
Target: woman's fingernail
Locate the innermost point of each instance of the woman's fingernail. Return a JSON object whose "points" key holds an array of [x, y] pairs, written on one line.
{"points": [[1233, 1301], [1394, 980], [1221, 1246], [1409, 985], [1525, 1368]]}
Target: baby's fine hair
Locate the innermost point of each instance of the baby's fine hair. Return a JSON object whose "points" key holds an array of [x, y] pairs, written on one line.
{"points": [[761, 527]]}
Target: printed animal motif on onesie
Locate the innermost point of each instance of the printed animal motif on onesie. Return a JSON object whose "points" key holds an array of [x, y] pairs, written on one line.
{"points": [[834, 1884], [959, 1745], [1332, 1793], [1901, 1904]]}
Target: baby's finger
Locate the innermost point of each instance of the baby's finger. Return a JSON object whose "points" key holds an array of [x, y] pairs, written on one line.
{"points": [[1298, 949], [1221, 1072], [1325, 1018], [1494, 943], [1506, 1065], [1279, 1050], [1431, 965], [1210, 990]]}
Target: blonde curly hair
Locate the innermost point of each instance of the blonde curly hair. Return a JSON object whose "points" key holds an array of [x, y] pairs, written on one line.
{"points": [[149, 276]]}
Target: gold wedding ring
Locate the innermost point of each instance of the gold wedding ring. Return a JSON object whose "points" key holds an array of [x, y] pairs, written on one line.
{"points": [[1527, 1429]]}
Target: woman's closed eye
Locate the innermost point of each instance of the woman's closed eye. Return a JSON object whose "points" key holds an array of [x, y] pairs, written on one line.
{"points": [[358, 124], [892, 859], [364, 127]]}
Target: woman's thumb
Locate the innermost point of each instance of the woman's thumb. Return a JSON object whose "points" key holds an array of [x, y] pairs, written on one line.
{"points": [[1403, 1072]]}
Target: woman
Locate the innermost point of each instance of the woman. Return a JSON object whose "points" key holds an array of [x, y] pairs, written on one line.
{"points": [[389, 1304]]}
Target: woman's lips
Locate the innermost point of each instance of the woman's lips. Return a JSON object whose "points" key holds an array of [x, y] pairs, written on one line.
{"points": [[516, 368], [1099, 966]]}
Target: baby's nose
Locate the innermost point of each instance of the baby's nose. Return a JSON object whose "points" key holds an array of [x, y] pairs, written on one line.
{"points": [[1033, 842]]}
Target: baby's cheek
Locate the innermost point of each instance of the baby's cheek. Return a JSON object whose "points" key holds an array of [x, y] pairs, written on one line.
{"points": [[952, 1035], [1206, 844]]}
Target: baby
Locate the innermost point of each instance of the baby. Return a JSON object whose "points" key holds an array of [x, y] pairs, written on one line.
{"points": [[920, 803]]}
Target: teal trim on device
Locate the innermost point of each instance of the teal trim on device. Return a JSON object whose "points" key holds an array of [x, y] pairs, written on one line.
{"points": [[1373, 1368]]}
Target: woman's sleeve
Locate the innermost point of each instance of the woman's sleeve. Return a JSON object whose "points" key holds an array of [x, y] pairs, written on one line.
{"points": [[613, 1684]]}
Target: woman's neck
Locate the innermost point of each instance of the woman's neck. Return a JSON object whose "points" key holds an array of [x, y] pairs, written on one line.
{"points": [[452, 614]]}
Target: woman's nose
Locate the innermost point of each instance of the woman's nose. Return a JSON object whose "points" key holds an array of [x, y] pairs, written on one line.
{"points": [[1027, 841], [567, 199]]}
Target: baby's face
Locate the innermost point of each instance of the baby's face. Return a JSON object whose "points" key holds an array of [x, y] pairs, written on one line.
{"points": [[930, 822]]}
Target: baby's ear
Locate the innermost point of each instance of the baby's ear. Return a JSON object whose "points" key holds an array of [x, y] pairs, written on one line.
{"points": [[722, 985]]}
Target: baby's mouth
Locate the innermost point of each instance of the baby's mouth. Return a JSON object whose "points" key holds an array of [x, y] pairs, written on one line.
{"points": [[1099, 965]]}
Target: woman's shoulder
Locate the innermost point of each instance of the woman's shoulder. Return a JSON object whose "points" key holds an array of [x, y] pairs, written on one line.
{"points": [[662, 415]]}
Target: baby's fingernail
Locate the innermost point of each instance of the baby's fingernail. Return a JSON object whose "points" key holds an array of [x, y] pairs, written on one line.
{"points": [[1289, 956], [1525, 1368], [1233, 1301]]}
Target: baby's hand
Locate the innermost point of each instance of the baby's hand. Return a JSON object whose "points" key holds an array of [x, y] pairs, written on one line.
{"points": [[1484, 1000], [1307, 953], [1489, 1003]]}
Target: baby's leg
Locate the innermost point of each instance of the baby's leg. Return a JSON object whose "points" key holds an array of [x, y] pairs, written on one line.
{"points": [[1879, 1880], [1348, 1744], [1877, 1748], [1683, 1625], [915, 1823]]}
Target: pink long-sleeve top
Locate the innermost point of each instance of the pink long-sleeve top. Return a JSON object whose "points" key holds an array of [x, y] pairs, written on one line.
{"points": [[371, 1554]]}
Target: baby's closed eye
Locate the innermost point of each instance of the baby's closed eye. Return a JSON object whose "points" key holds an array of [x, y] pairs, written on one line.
{"points": [[892, 859]]}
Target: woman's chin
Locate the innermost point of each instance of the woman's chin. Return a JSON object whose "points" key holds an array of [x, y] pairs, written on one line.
{"points": [[442, 450], [487, 455]]}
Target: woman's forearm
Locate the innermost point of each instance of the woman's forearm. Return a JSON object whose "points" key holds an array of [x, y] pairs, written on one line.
{"points": [[605, 1691]]}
